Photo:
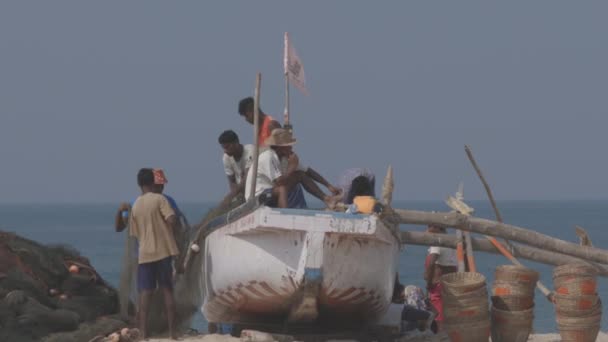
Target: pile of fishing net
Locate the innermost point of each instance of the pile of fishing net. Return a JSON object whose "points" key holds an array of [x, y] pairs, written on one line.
{"points": [[52, 293]]}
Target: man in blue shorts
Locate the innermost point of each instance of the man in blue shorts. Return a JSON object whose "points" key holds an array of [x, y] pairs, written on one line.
{"points": [[153, 223]]}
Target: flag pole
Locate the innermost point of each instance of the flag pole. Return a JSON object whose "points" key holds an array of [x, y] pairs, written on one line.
{"points": [[286, 123]]}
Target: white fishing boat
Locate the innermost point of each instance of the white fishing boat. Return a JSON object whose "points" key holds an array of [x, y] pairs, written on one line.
{"points": [[280, 266]]}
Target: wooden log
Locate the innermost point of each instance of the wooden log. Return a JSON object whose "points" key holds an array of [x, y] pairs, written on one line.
{"points": [[505, 231], [483, 245]]}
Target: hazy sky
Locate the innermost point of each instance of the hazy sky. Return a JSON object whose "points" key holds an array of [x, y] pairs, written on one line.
{"points": [[92, 91]]}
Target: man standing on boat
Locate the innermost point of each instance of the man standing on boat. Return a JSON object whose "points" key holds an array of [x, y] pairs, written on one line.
{"points": [[237, 160], [281, 184], [266, 123]]}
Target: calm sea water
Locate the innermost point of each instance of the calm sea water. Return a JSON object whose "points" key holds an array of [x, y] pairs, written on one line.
{"points": [[89, 228]]}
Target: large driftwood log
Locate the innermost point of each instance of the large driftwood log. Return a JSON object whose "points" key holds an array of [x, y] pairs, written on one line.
{"points": [[506, 231], [483, 245]]}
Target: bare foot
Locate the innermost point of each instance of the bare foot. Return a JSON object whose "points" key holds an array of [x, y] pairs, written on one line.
{"points": [[331, 201]]}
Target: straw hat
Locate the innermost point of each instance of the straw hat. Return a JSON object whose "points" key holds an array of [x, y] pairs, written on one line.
{"points": [[280, 137]]}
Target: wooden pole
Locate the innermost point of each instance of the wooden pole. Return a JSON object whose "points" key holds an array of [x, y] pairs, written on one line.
{"points": [[469, 250], [502, 230], [256, 130], [460, 251], [510, 256], [484, 245]]}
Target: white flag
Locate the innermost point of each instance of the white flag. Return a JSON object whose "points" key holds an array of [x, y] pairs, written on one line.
{"points": [[293, 66]]}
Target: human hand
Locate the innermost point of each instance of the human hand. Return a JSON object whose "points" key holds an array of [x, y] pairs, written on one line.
{"points": [[334, 190], [293, 161], [124, 206]]}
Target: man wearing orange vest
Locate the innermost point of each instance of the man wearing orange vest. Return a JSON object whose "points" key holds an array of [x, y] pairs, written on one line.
{"points": [[266, 122]]}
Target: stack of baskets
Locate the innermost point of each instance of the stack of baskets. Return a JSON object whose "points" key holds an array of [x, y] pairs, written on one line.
{"points": [[577, 305], [465, 307], [513, 303]]}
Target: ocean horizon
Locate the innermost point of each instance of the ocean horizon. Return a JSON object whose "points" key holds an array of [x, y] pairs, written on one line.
{"points": [[88, 227]]}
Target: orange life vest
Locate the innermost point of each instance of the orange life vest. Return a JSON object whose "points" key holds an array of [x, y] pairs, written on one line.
{"points": [[265, 130]]}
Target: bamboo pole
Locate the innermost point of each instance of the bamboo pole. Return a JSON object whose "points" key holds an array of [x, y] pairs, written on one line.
{"points": [[469, 251], [484, 245], [509, 256], [497, 229], [256, 132], [460, 251]]}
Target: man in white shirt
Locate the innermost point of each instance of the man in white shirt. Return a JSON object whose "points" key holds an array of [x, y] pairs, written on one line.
{"points": [[237, 160], [278, 182]]}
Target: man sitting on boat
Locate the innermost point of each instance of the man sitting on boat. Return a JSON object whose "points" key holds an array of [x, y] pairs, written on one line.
{"points": [[266, 123], [282, 185], [237, 160], [345, 182], [363, 200]]}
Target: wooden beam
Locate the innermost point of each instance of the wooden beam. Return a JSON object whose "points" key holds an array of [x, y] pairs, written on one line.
{"points": [[483, 245], [505, 231]]}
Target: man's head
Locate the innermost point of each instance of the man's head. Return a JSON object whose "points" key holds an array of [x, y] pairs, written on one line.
{"points": [[145, 179], [230, 143], [436, 229], [246, 109], [151, 180], [361, 186], [281, 141]]}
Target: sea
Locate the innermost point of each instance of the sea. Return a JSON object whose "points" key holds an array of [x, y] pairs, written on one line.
{"points": [[89, 228]]}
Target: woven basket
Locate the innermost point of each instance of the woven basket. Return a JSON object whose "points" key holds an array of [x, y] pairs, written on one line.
{"points": [[469, 331], [579, 333], [592, 319], [481, 292], [574, 311], [515, 273], [460, 283], [503, 288], [513, 303], [574, 270], [466, 310], [568, 302], [510, 326], [575, 285]]}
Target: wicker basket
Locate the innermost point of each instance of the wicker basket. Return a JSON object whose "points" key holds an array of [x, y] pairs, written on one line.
{"points": [[513, 303], [481, 292], [510, 326], [573, 311], [574, 270], [469, 331], [460, 283], [575, 285], [515, 273], [579, 333], [503, 288]]}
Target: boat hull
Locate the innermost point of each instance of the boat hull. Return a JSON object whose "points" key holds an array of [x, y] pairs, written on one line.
{"points": [[278, 265]]}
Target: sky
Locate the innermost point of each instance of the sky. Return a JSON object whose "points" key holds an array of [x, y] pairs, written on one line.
{"points": [[92, 91]]}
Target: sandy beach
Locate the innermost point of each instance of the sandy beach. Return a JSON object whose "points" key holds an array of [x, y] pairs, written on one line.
{"points": [[602, 337]]}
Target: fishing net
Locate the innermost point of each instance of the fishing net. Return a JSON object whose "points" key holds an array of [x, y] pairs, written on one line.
{"points": [[39, 296], [189, 286]]}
